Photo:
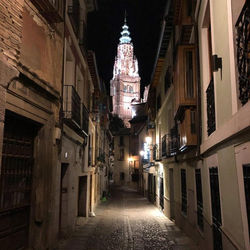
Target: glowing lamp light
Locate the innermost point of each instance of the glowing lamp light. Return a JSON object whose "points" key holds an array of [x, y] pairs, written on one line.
{"points": [[130, 159], [142, 153], [148, 139]]}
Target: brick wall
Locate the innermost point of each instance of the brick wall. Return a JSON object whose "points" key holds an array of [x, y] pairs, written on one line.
{"points": [[11, 29]]}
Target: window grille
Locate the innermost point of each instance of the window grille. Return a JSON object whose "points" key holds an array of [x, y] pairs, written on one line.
{"points": [[183, 191], [199, 199], [211, 123], [246, 176], [243, 53]]}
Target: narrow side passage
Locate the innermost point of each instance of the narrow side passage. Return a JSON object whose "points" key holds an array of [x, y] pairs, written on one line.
{"points": [[128, 221]]}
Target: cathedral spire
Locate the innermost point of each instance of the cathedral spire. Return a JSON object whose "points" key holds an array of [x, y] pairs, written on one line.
{"points": [[125, 38]]}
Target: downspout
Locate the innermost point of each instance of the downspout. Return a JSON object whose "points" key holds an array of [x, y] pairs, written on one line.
{"points": [[199, 135], [61, 116]]}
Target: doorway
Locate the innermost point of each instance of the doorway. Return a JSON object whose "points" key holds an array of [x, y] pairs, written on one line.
{"points": [[63, 197], [171, 193], [90, 194], [16, 181], [82, 196], [161, 193]]}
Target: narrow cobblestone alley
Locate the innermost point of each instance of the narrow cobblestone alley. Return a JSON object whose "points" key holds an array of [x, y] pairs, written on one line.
{"points": [[127, 221]]}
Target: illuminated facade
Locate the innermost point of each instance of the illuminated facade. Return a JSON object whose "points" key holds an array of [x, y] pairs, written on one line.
{"points": [[125, 84]]}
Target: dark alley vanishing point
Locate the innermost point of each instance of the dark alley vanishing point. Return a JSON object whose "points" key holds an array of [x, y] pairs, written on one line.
{"points": [[127, 221]]}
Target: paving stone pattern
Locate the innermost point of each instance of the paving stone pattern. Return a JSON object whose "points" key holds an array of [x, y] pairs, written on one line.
{"points": [[127, 221]]}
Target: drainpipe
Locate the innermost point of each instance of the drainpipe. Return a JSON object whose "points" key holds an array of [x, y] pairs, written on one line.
{"points": [[198, 85], [61, 114]]}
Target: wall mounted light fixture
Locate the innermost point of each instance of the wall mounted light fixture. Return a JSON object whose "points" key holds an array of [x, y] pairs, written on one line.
{"points": [[217, 64]]}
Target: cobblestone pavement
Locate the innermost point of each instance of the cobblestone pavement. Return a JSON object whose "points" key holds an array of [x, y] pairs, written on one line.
{"points": [[127, 221]]}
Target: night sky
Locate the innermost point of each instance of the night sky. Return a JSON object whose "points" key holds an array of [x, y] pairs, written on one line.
{"points": [[144, 19]]}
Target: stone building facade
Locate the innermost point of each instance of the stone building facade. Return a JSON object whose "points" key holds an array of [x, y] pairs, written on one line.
{"points": [[30, 88], [198, 109], [125, 84], [48, 131]]}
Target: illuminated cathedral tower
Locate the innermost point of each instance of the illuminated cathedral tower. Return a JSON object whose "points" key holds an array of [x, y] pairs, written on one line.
{"points": [[125, 84]]}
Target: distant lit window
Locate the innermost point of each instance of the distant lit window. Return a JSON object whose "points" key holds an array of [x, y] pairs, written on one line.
{"points": [[121, 141], [122, 176], [158, 102], [121, 158]]}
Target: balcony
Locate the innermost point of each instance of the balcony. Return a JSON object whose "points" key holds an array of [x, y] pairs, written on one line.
{"points": [[85, 119], [184, 11], [174, 141], [185, 81], [187, 130], [170, 143], [72, 105], [243, 54], [51, 10]]}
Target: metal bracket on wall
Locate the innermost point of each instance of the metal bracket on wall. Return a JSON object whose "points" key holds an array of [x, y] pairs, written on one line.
{"points": [[217, 64]]}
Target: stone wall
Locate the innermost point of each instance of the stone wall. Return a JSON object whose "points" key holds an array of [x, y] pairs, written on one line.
{"points": [[11, 22]]}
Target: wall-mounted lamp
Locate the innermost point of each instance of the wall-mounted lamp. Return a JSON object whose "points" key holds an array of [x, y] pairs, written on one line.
{"points": [[130, 159], [148, 140], [217, 64], [142, 153]]}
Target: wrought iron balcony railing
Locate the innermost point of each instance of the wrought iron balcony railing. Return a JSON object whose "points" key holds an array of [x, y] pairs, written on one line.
{"points": [[85, 119], [211, 123], [243, 53], [174, 141], [71, 104]]}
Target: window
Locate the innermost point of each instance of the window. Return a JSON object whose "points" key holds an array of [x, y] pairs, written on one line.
{"points": [[189, 75], [211, 123], [121, 141], [122, 176], [216, 208], [167, 80], [243, 59], [163, 146], [207, 62], [121, 157], [90, 151], [158, 102], [130, 89], [246, 176], [192, 121], [125, 88], [206, 26], [183, 191], [199, 199]]}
